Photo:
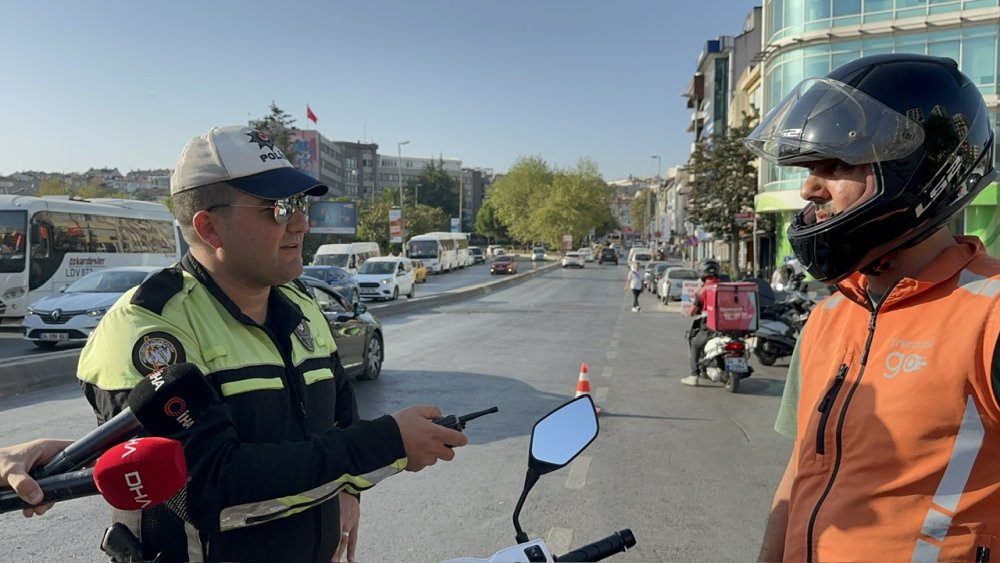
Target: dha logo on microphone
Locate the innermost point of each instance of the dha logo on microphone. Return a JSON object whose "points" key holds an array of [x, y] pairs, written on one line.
{"points": [[175, 407], [133, 479]]}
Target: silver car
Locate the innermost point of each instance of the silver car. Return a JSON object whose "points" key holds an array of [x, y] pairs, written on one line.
{"points": [[72, 315]]}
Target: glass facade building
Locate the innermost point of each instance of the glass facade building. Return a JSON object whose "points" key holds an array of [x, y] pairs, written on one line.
{"points": [[808, 38]]}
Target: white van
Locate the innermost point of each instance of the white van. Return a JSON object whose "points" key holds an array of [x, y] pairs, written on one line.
{"points": [[640, 255], [348, 256], [386, 278]]}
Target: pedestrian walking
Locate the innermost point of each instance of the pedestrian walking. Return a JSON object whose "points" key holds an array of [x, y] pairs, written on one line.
{"points": [[634, 282]]}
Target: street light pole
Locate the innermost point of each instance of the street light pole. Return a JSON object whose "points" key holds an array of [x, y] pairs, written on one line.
{"points": [[659, 163], [399, 182]]}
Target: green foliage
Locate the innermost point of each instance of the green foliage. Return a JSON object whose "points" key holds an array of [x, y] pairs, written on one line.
{"points": [[53, 186], [434, 187], [277, 125], [641, 212], [723, 183], [534, 203]]}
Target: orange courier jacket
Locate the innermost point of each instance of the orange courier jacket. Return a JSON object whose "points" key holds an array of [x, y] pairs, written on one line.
{"points": [[898, 428]]}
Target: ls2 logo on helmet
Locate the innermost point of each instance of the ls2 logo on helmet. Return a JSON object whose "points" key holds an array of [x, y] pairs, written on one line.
{"points": [[898, 362]]}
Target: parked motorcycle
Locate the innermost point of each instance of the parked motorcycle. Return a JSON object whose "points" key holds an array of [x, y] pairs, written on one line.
{"points": [[556, 440]]}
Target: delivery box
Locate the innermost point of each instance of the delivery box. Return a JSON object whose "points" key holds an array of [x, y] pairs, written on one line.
{"points": [[732, 307]]}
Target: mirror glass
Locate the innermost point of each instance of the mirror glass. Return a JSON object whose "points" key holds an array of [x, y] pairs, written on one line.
{"points": [[565, 432]]}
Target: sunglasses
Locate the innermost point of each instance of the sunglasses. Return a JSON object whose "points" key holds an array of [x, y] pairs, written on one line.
{"points": [[283, 208]]}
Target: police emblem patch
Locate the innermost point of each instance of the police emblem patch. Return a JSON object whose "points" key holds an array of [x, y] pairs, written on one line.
{"points": [[156, 350], [304, 336]]}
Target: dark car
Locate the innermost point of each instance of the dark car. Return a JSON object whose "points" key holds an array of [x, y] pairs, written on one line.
{"points": [[608, 255], [477, 255], [357, 332], [337, 278], [503, 265]]}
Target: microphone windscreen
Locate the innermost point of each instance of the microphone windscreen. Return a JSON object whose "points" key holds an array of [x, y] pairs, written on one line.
{"points": [[170, 399], [140, 473]]}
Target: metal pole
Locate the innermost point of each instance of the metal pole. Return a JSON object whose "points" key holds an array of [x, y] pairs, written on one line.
{"points": [[659, 163], [399, 181]]}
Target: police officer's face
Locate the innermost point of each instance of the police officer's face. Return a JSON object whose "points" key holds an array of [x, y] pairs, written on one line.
{"points": [[834, 187], [258, 248]]}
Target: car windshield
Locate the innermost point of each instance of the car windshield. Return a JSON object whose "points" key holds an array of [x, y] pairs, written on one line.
{"points": [[682, 274], [325, 273], [107, 282], [423, 249], [572, 255], [374, 267], [331, 260], [476, 250], [504, 259], [642, 257]]}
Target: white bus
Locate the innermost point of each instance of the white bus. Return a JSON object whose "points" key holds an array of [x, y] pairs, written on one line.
{"points": [[48, 242], [438, 251]]}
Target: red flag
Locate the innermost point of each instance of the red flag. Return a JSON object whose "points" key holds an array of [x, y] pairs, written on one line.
{"points": [[310, 114]]}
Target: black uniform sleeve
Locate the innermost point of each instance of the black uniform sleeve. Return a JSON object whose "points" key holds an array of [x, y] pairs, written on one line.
{"points": [[346, 412], [106, 404]]}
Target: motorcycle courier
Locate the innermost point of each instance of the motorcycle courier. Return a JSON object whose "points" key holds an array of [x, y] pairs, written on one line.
{"points": [[725, 315]]}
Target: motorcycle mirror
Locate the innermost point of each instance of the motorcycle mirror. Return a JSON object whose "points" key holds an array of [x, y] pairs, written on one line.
{"points": [[556, 439], [562, 434]]}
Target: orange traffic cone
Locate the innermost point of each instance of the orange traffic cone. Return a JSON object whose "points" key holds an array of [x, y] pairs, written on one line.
{"points": [[583, 386]]}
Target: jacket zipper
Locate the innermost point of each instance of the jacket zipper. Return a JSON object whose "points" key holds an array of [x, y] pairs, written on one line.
{"points": [[840, 427], [825, 406]]}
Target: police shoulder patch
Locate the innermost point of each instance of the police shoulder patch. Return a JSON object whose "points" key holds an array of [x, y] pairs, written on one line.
{"points": [[156, 350]]}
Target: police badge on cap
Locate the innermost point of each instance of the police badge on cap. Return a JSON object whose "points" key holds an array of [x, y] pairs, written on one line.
{"points": [[304, 336], [156, 350]]}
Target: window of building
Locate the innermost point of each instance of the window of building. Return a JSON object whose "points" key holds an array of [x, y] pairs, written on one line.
{"points": [[944, 44], [979, 59]]}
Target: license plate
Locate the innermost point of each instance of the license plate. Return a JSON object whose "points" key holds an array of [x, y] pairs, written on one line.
{"points": [[53, 336], [737, 365]]}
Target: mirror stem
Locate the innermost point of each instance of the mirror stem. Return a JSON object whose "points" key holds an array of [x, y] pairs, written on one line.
{"points": [[529, 481]]}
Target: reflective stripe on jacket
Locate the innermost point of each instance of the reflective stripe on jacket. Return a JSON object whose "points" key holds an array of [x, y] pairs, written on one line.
{"points": [[898, 426]]}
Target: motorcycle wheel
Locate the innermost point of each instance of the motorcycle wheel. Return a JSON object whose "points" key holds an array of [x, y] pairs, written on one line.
{"points": [[766, 358], [732, 382]]}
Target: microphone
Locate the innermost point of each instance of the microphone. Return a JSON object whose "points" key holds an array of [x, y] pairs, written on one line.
{"points": [[137, 474], [167, 401]]}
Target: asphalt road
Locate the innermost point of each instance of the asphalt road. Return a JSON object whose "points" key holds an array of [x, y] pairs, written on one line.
{"points": [[689, 470]]}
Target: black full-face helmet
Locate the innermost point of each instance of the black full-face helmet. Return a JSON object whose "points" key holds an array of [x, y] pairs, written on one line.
{"points": [[709, 269], [917, 121]]}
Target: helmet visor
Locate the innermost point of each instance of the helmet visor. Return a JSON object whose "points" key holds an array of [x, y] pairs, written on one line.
{"points": [[827, 119]]}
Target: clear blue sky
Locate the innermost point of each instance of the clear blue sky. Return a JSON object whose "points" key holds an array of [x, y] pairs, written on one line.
{"points": [[126, 84]]}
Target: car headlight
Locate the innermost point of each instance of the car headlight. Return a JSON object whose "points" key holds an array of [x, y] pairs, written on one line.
{"points": [[31, 311], [386, 281], [97, 312]]}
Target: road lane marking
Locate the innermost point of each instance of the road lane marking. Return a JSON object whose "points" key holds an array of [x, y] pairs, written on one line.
{"points": [[577, 478], [601, 394], [611, 354], [559, 540], [608, 371]]}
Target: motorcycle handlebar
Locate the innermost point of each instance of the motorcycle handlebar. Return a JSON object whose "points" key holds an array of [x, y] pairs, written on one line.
{"points": [[615, 543]]}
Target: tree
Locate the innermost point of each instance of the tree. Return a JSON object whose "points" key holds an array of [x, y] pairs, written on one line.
{"points": [[278, 125], [487, 223], [641, 210], [723, 183], [436, 188], [534, 203], [52, 186], [96, 188]]}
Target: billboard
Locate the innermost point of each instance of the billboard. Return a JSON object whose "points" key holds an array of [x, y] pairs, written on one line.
{"points": [[335, 218], [396, 225], [304, 146], [456, 225]]}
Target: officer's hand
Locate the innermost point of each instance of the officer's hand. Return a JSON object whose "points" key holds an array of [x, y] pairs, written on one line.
{"points": [[17, 460], [424, 441]]}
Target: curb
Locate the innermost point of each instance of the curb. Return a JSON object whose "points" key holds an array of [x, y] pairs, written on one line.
{"points": [[28, 373]]}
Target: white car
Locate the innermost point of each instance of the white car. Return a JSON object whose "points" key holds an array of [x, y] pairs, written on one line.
{"points": [[72, 315], [386, 277], [587, 253], [671, 285], [572, 260]]}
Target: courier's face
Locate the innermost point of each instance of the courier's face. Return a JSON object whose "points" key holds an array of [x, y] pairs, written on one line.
{"points": [[258, 250], [834, 187]]}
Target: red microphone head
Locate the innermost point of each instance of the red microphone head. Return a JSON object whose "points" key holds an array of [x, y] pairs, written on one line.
{"points": [[141, 473]]}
